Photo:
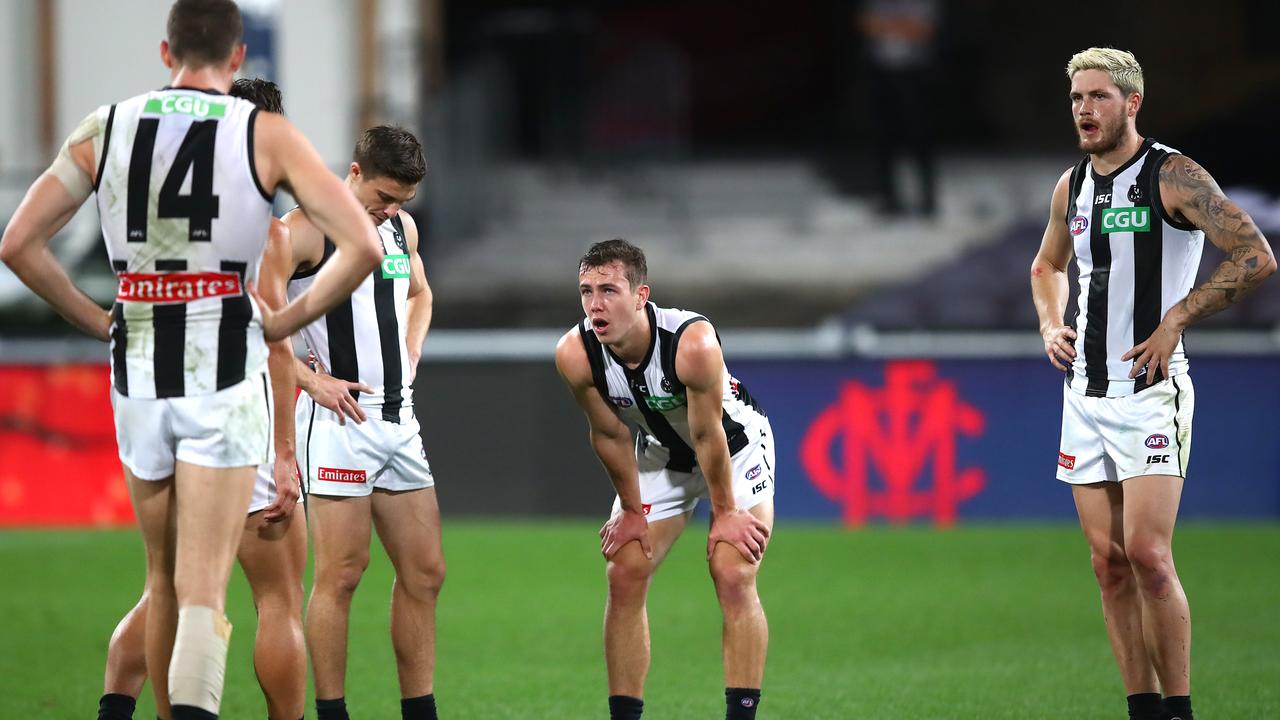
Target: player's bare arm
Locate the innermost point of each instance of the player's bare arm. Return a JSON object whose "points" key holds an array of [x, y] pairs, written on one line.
{"points": [[49, 204], [420, 298], [611, 440], [328, 391], [272, 278], [1190, 194], [284, 158], [1049, 288], [700, 366]]}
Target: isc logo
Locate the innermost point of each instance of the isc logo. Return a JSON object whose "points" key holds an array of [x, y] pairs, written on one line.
{"points": [[1134, 219], [395, 266]]}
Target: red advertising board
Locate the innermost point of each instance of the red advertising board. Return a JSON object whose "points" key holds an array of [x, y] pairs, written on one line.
{"points": [[58, 461]]}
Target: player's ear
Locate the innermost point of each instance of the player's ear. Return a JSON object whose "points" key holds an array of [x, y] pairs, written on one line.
{"points": [[642, 296], [354, 170], [1135, 102], [165, 55], [237, 57]]}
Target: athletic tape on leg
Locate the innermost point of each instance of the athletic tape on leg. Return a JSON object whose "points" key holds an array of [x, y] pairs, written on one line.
{"points": [[199, 661]]}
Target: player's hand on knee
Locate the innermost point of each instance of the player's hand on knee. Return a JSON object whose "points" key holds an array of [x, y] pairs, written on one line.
{"points": [[739, 528], [622, 528], [335, 394], [1059, 345], [285, 474]]}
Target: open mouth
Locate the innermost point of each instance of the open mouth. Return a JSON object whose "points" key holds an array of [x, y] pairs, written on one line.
{"points": [[599, 324], [1088, 128]]}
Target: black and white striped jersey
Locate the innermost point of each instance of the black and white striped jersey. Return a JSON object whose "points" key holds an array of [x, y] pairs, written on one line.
{"points": [[185, 221], [652, 398], [1136, 261], [363, 338]]}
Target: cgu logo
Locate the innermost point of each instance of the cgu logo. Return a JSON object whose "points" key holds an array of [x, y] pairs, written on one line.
{"points": [[186, 105], [395, 266], [1134, 219], [891, 452], [665, 404]]}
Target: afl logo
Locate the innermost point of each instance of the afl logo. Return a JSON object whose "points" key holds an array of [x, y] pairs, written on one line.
{"points": [[753, 473], [1078, 224], [622, 402], [1157, 441]]}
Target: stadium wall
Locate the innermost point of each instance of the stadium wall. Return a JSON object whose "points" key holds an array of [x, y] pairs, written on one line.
{"points": [[860, 441]]}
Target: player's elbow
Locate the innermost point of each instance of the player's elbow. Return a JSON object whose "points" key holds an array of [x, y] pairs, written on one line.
{"points": [[9, 248], [1268, 267]]}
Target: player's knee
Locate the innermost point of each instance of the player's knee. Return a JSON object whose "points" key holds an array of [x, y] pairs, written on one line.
{"points": [[628, 575], [344, 577], [1111, 567], [424, 581], [279, 598], [1152, 563], [734, 577]]}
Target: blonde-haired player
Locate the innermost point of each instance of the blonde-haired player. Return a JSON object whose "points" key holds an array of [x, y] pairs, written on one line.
{"points": [[1135, 214]]}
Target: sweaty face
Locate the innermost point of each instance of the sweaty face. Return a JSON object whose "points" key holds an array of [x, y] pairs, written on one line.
{"points": [[381, 197], [608, 301], [1100, 111]]}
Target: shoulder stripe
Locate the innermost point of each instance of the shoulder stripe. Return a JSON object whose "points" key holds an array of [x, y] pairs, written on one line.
{"points": [[106, 145], [253, 165], [595, 356], [1077, 182], [1157, 201]]}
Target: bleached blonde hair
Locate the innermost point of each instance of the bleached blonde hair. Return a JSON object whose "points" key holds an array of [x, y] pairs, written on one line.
{"points": [[1121, 65]]}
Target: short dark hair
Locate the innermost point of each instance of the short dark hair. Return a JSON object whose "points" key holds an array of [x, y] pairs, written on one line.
{"points": [[203, 32], [390, 151], [632, 258], [259, 91]]}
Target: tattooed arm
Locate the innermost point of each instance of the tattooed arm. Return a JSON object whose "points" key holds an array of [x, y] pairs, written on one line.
{"points": [[1190, 194]]}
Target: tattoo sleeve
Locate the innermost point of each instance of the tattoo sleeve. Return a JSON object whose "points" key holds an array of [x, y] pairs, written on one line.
{"points": [[1249, 260]]}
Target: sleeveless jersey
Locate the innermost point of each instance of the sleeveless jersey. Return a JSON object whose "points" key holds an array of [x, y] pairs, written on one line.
{"points": [[185, 221], [652, 398], [1136, 261], [363, 338]]}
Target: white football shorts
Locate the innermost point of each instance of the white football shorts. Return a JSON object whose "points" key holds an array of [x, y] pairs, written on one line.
{"points": [[225, 429], [1114, 439], [666, 493], [351, 460]]}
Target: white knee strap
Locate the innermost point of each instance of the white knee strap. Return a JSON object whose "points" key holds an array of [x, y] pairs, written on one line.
{"points": [[199, 662]]}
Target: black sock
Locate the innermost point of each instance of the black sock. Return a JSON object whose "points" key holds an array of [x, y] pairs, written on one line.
{"points": [[625, 707], [191, 712], [1178, 707], [1146, 706], [741, 703], [115, 706], [335, 709], [418, 708]]}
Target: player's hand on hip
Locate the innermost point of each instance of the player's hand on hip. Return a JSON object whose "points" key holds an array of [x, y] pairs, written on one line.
{"points": [[335, 394], [739, 528], [1059, 345], [1153, 353], [285, 473], [622, 528], [272, 320]]}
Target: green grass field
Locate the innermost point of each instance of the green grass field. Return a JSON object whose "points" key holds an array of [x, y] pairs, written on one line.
{"points": [[978, 622]]}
